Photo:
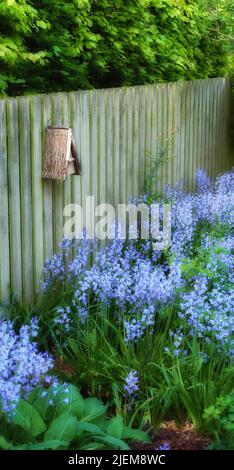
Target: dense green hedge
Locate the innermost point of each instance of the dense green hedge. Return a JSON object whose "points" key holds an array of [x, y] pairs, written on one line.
{"points": [[63, 45]]}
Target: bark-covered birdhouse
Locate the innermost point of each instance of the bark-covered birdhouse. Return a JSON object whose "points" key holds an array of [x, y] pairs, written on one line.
{"points": [[60, 159]]}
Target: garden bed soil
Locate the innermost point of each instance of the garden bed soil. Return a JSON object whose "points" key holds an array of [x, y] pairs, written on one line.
{"points": [[183, 438]]}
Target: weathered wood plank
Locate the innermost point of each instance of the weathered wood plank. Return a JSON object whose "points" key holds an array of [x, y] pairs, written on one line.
{"points": [[14, 197], [26, 198], [37, 196], [94, 156], [4, 215], [75, 123], [86, 152], [109, 147], [123, 145], [47, 184], [102, 163], [116, 148]]}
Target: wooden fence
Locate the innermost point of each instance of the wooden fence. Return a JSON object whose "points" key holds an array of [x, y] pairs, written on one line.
{"points": [[117, 132]]}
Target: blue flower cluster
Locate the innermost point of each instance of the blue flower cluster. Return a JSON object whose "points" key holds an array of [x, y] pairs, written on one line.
{"points": [[136, 282], [131, 387], [208, 311], [131, 383], [63, 317], [22, 366], [211, 203]]}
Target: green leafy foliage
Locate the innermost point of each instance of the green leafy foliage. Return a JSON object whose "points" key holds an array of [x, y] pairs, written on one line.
{"points": [[77, 44], [61, 418], [219, 420], [28, 418], [62, 428]]}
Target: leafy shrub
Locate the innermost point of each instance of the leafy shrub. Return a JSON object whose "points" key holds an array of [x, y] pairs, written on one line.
{"points": [[77, 44], [219, 420], [60, 418]]}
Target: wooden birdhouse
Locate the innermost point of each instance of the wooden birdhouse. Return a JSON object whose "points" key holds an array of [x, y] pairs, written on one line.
{"points": [[60, 158]]}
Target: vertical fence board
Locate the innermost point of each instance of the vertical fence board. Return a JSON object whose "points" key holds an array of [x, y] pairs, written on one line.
{"points": [[47, 184], [87, 163], [116, 148], [142, 124], [135, 153], [166, 136], [109, 147], [93, 120], [123, 146], [14, 197], [37, 196], [156, 123], [183, 90], [177, 127], [26, 198], [213, 129], [102, 173], [75, 124], [129, 181], [203, 118], [195, 127], [4, 215], [170, 134]]}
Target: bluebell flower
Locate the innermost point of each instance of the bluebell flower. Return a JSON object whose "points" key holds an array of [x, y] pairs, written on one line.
{"points": [[164, 446], [131, 385], [22, 366]]}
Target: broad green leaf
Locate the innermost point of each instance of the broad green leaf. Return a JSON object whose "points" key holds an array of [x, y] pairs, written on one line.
{"points": [[53, 444], [4, 444], [88, 427], [63, 428], [28, 418], [92, 446], [101, 422], [72, 401], [93, 408], [135, 435], [43, 400], [115, 427], [63, 399], [112, 442]]}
